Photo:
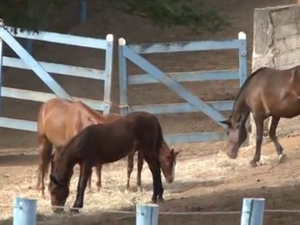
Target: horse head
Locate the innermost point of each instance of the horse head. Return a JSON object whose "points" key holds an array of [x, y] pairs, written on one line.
{"points": [[236, 133], [58, 189], [167, 160]]}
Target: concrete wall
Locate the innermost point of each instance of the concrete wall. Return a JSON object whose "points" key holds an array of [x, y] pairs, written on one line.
{"points": [[276, 43]]}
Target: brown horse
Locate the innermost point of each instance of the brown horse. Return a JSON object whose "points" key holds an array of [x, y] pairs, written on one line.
{"points": [[266, 93], [165, 150], [58, 121], [106, 143]]}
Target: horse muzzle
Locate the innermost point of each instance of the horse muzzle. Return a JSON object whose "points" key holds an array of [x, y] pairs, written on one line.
{"points": [[169, 179]]}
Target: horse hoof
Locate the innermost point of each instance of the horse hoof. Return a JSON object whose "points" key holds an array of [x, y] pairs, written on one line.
{"points": [[154, 200], [74, 211], [160, 200], [253, 163], [281, 158], [157, 200]]}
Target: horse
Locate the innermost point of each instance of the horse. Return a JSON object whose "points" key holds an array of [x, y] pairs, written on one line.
{"points": [[106, 143], [58, 121], [140, 161], [73, 123], [267, 92]]}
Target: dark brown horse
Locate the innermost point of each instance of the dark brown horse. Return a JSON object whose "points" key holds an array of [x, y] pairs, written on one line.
{"points": [[266, 93], [106, 143], [165, 150], [58, 121]]}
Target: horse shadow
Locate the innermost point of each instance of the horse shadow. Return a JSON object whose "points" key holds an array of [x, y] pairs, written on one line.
{"points": [[17, 160], [179, 186]]}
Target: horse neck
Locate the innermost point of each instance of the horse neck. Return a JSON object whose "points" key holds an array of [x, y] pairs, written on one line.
{"points": [[64, 162], [240, 108], [164, 150]]}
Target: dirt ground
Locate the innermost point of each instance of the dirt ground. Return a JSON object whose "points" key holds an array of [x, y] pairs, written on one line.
{"points": [[206, 180]]}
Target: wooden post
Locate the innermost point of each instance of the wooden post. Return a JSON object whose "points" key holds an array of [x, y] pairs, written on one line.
{"points": [[24, 212], [82, 11], [123, 78], [28, 45], [1, 63], [108, 73], [253, 211], [243, 69], [147, 214]]}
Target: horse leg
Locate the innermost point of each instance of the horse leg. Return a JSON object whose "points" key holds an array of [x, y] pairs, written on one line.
{"points": [[259, 122], [44, 152], [140, 163], [154, 165], [85, 173], [98, 172], [272, 134], [90, 182], [130, 159]]}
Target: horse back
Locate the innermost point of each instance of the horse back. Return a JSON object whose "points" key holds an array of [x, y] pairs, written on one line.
{"points": [[146, 128], [59, 120], [275, 92]]}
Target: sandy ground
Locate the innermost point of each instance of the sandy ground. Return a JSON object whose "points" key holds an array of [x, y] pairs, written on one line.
{"points": [[206, 180]]}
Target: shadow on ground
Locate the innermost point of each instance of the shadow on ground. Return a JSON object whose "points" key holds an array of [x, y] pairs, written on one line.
{"points": [[178, 186], [18, 160]]}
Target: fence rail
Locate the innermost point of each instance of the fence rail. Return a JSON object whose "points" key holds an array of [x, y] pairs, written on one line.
{"points": [[252, 213], [172, 81], [42, 70]]}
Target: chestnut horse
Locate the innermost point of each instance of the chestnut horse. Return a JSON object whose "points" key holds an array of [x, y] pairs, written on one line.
{"points": [[106, 143], [58, 121], [266, 93]]}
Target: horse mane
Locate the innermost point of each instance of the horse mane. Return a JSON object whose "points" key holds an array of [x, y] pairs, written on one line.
{"points": [[91, 111], [246, 83]]}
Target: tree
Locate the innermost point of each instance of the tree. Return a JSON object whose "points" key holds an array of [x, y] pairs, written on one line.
{"points": [[33, 15]]}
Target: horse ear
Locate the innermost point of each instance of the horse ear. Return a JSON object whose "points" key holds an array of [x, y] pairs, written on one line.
{"points": [[226, 122], [177, 153]]}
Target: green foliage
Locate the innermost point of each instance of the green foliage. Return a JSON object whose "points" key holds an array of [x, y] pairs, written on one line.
{"points": [[178, 12], [32, 15]]}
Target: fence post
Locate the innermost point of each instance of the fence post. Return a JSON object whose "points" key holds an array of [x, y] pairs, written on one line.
{"points": [[1, 62], [82, 11], [253, 211], [243, 57], [123, 78], [243, 70], [147, 214], [108, 73], [24, 212], [28, 45]]}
